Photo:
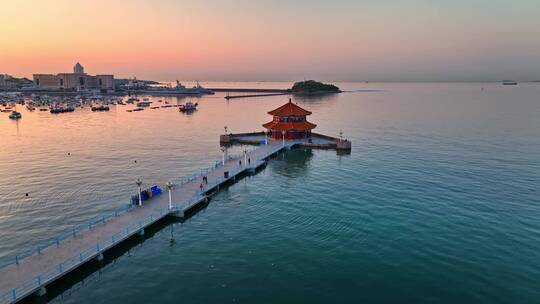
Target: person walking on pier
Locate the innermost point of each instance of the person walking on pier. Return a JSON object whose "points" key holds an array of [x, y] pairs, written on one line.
{"points": [[240, 163], [201, 187], [249, 161]]}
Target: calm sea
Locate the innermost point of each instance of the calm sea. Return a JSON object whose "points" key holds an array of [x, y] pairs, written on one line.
{"points": [[439, 201]]}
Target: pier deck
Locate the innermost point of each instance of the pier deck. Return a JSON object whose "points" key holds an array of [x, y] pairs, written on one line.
{"points": [[31, 274]]}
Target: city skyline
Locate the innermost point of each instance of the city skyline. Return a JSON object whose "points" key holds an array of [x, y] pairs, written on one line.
{"points": [[275, 41]]}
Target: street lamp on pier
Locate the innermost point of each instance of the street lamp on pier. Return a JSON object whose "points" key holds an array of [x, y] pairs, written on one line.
{"points": [[139, 183], [170, 186], [283, 137], [223, 150], [265, 137], [245, 157]]}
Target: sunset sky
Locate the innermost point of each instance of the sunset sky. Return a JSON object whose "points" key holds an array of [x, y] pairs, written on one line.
{"points": [[274, 40]]}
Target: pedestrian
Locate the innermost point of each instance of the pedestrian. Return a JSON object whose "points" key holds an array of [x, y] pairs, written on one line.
{"points": [[240, 162], [249, 161], [206, 179], [200, 187]]}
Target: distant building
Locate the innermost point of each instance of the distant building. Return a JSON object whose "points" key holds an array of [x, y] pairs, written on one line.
{"points": [[76, 81], [8, 82], [4, 83]]}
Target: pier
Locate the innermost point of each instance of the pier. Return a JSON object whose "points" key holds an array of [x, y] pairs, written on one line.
{"points": [[254, 95], [30, 274], [247, 90]]}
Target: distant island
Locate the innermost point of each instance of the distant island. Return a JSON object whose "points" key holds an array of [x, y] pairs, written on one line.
{"points": [[313, 87]]}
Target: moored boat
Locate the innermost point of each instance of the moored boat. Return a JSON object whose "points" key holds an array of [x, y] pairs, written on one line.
{"points": [[143, 104], [15, 115], [188, 107], [100, 108]]}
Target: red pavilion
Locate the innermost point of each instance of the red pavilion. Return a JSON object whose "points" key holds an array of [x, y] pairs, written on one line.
{"points": [[289, 122]]}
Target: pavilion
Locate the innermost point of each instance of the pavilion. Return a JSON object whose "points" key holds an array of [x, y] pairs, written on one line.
{"points": [[289, 122]]}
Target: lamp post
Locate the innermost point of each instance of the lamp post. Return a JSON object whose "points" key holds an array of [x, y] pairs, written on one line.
{"points": [[245, 157], [265, 137], [225, 127], [139, 183], [283, 137], [340, 136], [223, 149], [170, 186]]}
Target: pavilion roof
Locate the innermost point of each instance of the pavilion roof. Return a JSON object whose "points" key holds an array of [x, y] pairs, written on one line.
{"points": [[286, 126], [289, 109]]}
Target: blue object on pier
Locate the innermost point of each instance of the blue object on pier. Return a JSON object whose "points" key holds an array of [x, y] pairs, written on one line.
{"points": [[155, 190]]}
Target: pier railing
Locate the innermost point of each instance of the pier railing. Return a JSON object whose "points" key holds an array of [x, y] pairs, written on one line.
{"points": [[93, 251], [6, 261], [89, 253], [66, 235]]}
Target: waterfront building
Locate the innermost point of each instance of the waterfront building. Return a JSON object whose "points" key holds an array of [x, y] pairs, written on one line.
{"points": [[76, 81], [289, 122], [7, 82]]}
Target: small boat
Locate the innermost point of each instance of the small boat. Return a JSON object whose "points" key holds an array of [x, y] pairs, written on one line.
{"points": [[129, 110], [57, 110], [143, 104], [100, 108], [43, 109], [188, 107], [509, 82], [153, 108], [138, 109], [15, 115]]}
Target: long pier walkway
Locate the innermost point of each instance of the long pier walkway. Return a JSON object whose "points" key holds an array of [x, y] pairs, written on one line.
{"points": [[30, 275]]}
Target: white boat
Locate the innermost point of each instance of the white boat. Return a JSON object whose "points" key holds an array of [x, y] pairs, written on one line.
{"points": [[179, 89], [203, 90], [188, 107]]}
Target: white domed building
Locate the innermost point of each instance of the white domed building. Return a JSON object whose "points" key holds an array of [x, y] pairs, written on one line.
{"points": [[76, 81]]}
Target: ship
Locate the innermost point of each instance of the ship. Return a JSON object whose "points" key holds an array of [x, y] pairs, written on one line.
{"points": [[179, 89], [509, 82]]}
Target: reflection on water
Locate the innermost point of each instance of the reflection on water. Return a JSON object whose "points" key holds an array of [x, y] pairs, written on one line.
{"points": [[315, 98]]}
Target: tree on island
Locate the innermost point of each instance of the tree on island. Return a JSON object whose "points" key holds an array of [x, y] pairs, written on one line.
{"points": [[313, 87]]}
